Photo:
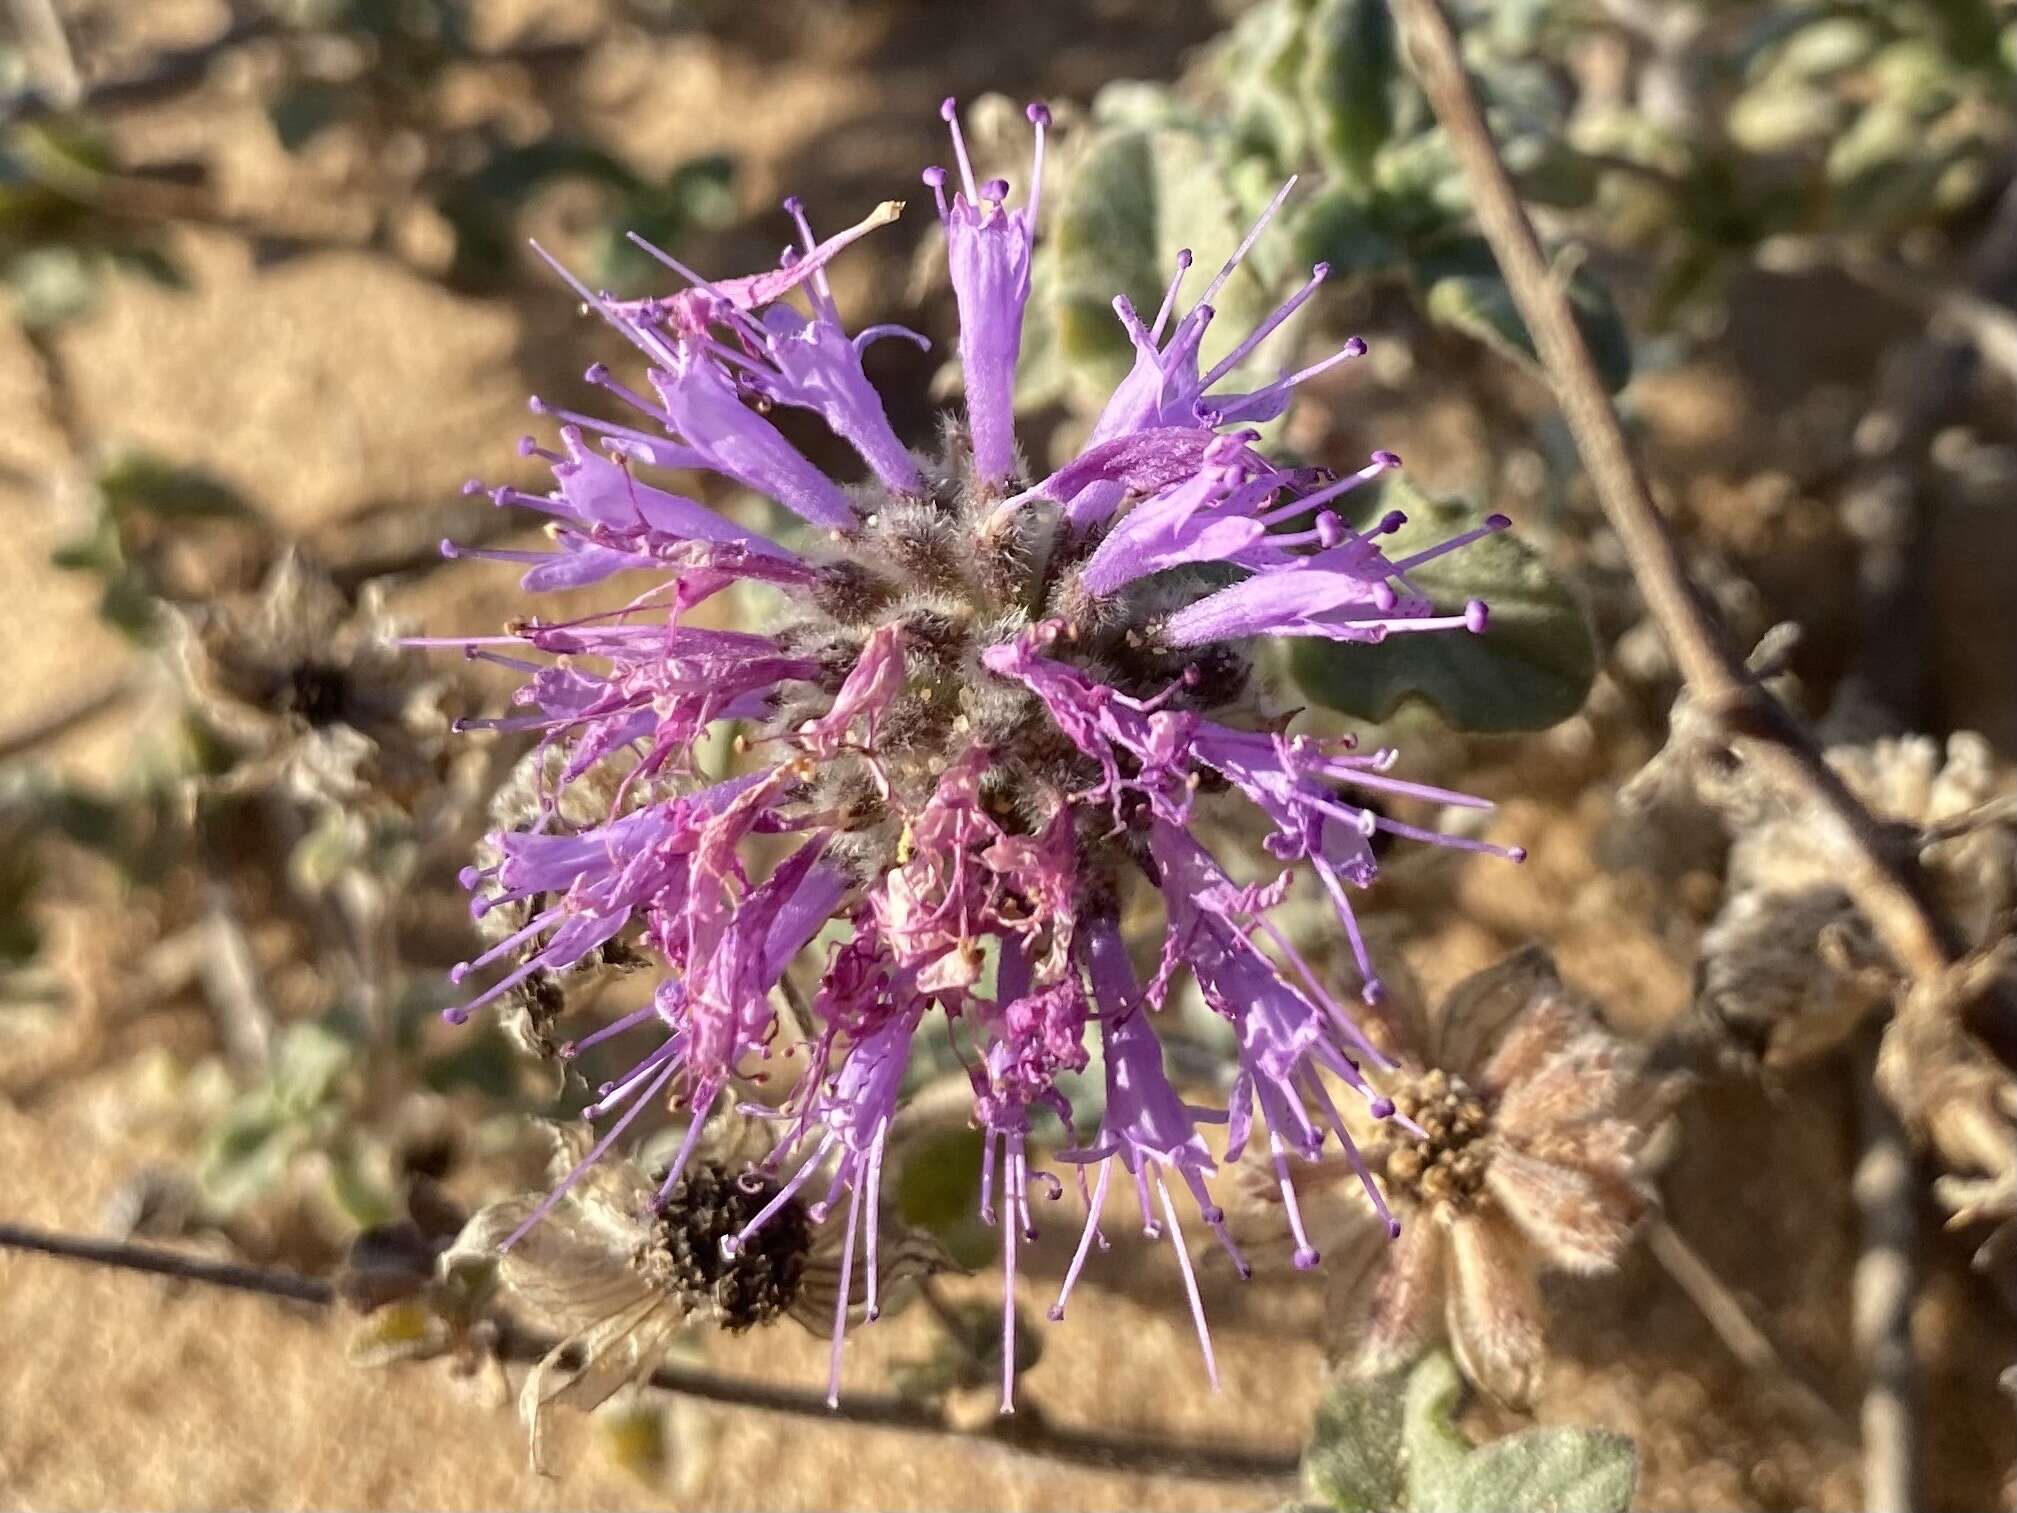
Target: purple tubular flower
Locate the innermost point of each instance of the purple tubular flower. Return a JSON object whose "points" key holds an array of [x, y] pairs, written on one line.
{"points": [[698, 404], [852, 1114], [974, 738], [1164, 388], [783, 357], [1148, 1128], [1344, 592], [988, 247], [1286, 1042]]}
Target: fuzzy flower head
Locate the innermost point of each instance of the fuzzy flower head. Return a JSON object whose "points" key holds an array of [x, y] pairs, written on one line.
{"points": [[984, 720], [1527, 1118]]}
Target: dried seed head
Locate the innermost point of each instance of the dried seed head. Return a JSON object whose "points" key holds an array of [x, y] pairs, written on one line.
{"points": [[1447, 1166], [683, 1255]]}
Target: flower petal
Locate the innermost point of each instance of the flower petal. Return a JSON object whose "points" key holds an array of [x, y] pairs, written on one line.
{"points": [[1494, 1307], [1580, 1221], [1396, 1303]]}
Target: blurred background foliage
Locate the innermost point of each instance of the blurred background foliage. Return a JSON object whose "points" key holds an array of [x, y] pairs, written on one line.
{"points": [[280, 849]]}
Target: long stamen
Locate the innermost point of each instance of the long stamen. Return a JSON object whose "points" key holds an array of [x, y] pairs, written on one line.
{"points": [[1190, 1283], [595, 1154], [1170, 295], [702, 1105], [1322, 1095], [1267, 327], [949, 113], [1492, 526], [732, 1244], [875, 1149], [1039, 118], [1306, 1253], [1247, 243], [1008, 1313], [1382, 462], [1093, 1207], [840, 1303]]}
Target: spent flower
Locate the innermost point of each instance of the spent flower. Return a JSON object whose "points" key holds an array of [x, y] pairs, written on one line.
{"points": [[1528, 1118], [989, 713]]}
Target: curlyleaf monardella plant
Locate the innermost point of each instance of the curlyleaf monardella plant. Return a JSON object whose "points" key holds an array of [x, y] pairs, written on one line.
{"points": [[992, 712]]}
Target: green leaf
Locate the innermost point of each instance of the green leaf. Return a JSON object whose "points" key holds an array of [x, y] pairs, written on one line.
{"points": [[1548, 1471], [129, 604], [1434, 1449], [1258, 66], [1463, 288], [1531, 668], [307, 1065], [141, 483], [334, 846], [481, 206], [97, 551], [150, 263], [699, 195], [1538, 1471], [1343, 228], [1353, 1462], [938, 1190], [1349, 71], [1391, 1445], [53, 284]]}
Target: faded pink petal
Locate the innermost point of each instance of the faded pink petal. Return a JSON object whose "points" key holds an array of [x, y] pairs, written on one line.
{"points": [[1494, 1307], [1583, 1078], [1579, 1220], [1396, 1306]]}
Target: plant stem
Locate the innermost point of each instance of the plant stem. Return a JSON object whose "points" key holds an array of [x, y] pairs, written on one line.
{"points": [[14, 743], [1881, 875], [1033, 1436], [1885, 1283], [1732, 1321]]}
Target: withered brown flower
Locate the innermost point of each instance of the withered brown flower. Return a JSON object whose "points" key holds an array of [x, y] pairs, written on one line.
{"points": [[1789, 967], [310, 693], [621, 1277], [1528, 1160]]}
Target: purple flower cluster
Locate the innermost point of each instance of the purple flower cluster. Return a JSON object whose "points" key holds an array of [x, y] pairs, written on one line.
{"points": [[990, 714]]}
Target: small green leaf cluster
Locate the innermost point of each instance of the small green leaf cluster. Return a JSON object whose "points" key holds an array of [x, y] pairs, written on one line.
{"points": [[61, 230], [1390, 1445], [137, 504]]}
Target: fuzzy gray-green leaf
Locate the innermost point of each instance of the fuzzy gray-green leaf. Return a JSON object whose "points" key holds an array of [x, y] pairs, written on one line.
{"points": [[1353, 1462], [1553, 1470], [1463, 288], [1348, 77]]}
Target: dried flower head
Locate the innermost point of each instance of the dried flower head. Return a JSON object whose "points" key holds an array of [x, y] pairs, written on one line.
{"points": [[1514, 1149], [1789, 967], [309, 693], [990, 712], [620, 1267]]}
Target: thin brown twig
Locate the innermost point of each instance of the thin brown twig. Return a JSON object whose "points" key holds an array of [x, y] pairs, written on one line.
{"points": [[1031, 1435], [1725, 1313], [1883, 877], [1883, 1289], [14, 743]]}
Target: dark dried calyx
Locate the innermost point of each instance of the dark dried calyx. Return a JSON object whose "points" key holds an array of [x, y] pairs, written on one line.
{"points": [[317, 691], [684, 1256]]}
